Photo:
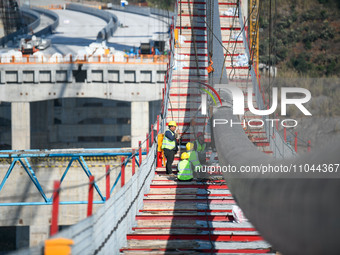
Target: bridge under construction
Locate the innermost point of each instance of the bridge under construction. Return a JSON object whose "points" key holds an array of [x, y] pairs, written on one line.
{"points": [[213, 53]]}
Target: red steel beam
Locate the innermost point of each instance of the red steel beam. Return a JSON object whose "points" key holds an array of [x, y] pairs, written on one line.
{"points": [[216, 238], [186, 217]]}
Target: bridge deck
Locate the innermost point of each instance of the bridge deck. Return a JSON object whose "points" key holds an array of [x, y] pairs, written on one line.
{"points": [[197, 216]]}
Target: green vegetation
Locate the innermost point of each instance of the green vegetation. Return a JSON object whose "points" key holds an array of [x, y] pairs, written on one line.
{"points": [[305, 36]]}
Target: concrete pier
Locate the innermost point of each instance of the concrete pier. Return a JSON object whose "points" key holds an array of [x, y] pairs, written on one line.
{"points": [[139, 122], [21, 126]]}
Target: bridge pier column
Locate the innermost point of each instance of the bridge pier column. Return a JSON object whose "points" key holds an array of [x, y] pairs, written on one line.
{"points": [[139, 122], [21, 126]]}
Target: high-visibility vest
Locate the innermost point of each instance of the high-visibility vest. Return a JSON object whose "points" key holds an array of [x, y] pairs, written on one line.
{"points": [[195, 163], [184, 170], [167, 144], [200, 148]]}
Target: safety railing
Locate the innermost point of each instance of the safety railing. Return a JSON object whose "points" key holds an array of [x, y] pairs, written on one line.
{"points": [[50, 28], [168, 75], [29, 161], [69, 59], [105, 231]]}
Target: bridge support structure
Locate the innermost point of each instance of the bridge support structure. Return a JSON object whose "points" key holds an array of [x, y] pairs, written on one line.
{"points": [[21, 125], [139, 122]]}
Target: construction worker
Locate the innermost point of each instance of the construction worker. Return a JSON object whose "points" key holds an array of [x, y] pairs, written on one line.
{"points": [[169, 145], [193, 157], [201, 148], [184, 168]]}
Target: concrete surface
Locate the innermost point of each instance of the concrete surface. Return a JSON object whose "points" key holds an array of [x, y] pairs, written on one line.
{"points": [[75, 31], [21, 126]]}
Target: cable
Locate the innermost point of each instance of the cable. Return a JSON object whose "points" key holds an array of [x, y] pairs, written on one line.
{"points": [[301, 140], [227, 51]]}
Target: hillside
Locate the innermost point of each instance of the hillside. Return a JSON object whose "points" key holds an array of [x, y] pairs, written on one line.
{"points": [[305, 36]]}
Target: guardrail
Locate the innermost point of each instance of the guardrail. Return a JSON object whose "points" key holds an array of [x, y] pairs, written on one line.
{"points": [[105, 231], [110, 18], [140, 10], [69, 59], [36, 17], [49, 29], [23, 158]]}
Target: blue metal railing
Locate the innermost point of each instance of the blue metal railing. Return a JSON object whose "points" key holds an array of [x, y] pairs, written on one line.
{"points": [[22, 157]]}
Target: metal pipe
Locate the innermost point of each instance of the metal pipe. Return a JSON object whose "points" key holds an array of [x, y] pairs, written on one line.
{"points": [[294, 212]]}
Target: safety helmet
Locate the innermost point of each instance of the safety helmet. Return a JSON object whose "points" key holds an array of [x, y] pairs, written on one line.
{"points": [[189, 146], [184, 155], [172, 123], [199, 134]]}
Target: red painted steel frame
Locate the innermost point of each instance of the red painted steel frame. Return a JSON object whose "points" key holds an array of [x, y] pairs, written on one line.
{"points": [[90, 199], [55, 209]]}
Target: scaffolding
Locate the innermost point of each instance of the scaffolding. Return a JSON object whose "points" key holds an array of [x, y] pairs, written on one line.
{"points": [[10, 16]]}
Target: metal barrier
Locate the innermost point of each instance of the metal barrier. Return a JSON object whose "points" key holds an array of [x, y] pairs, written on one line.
{"points": [[146, 11], [35, 16], [23, 158], [94, 235], [105, 232], [110, 18], [49, 29]]}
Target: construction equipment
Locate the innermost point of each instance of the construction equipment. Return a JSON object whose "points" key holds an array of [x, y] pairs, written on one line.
{"points": [[32, 44]]}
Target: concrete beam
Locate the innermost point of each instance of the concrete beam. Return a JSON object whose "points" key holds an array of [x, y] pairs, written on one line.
{"points": [[70, 133], [21, 126], [38, 82], [40, 92], [81, 113]]}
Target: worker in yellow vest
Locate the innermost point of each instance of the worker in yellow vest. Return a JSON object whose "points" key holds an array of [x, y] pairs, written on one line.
{"points": [[201, 148], [169, 145], [193, 157], [184, 168]]}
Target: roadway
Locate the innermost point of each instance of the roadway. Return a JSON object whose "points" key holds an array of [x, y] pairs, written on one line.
{"points": [[75, 31], [136, 29], [44, 22]]}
